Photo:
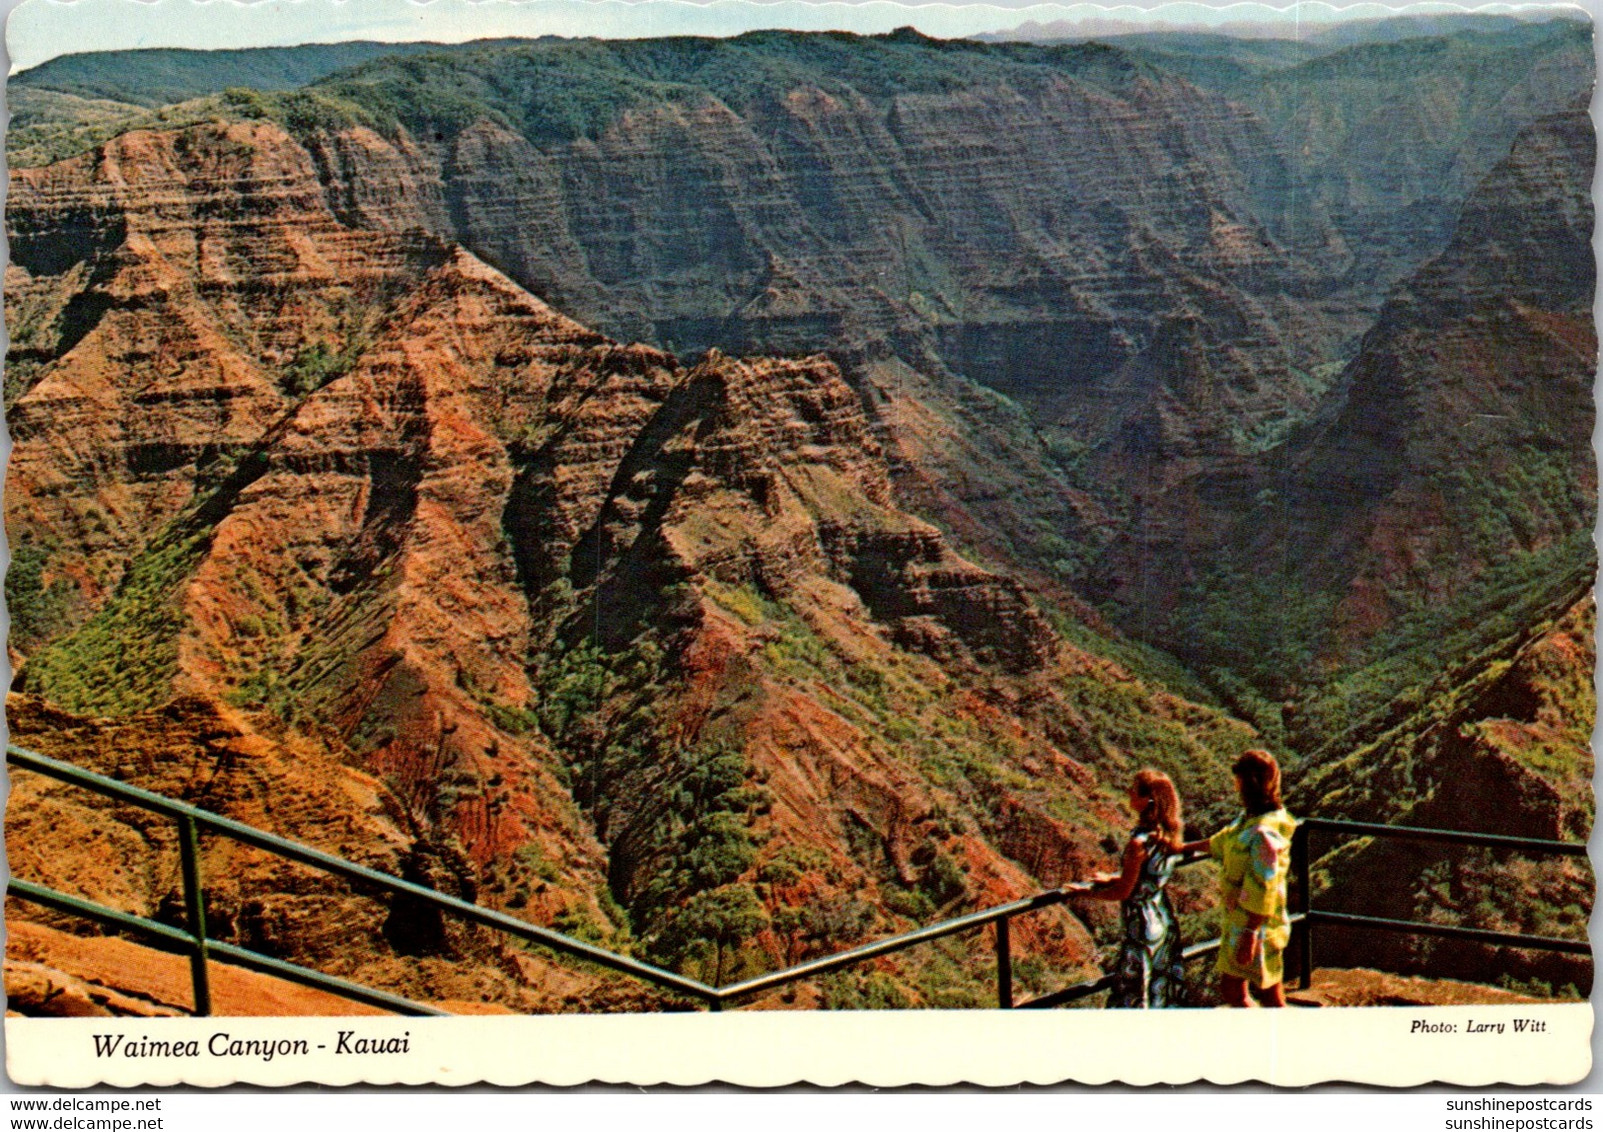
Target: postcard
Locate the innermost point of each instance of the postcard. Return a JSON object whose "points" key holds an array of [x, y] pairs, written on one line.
{"points": [[765, 543]]}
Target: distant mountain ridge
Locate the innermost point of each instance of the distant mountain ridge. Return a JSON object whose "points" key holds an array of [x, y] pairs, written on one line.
{"points": [[1386, 164], [1269, 35], [158, 76]]}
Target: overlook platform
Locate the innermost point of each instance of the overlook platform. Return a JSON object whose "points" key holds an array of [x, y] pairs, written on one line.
{"points": [[43, 983], [54, 974]]}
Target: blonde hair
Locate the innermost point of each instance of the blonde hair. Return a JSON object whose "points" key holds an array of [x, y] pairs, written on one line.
{"points": [[1161, 814]]}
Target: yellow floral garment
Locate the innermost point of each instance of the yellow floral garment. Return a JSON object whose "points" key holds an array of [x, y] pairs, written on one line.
{"points": [[1255, 851]]}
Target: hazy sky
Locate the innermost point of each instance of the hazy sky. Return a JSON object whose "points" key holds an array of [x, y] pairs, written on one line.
{"points": [[40, 29]]}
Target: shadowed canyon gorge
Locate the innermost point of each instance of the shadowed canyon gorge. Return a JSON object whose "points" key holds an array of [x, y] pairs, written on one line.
{"points": [[729, 500]]}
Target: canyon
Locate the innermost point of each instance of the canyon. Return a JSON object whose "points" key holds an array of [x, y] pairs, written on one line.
{"points": [[729, 500]]}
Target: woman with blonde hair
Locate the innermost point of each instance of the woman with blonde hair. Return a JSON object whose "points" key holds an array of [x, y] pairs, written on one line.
{"points": [[1150, 968]]}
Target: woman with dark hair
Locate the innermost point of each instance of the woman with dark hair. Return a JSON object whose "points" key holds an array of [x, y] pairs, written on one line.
{"points": [[1149, 972], [1254, 852]]}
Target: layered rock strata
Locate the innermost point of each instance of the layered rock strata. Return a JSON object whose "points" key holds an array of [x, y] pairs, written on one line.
{"points": [[533, 605]]}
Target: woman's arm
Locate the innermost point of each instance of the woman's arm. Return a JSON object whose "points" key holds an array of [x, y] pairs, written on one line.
{"points": [[1203, 846], [1120, 887]]}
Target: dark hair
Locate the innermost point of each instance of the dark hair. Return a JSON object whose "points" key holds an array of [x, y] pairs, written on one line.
{"points": [[1161, 814], [1259, 776]]}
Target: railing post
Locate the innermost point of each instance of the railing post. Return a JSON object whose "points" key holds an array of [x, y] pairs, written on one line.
{"points": [[1004, 966], [1305, 929], [195, 909]]}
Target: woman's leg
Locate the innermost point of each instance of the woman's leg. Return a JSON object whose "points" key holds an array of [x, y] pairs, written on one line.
{"points": [[1233, 990], [1270, 996], [1270, 988]]}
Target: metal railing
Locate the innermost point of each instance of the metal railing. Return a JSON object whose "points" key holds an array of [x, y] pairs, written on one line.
{"points": [[1311, 918], [194, 941], [200, 948]]}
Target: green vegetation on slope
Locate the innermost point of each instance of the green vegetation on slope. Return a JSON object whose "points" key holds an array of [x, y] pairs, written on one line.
{"points": [[70, 130], [556, 91], [677, 816], [123, 659], [1500, 744], [159, 76], [1407, 660], [38, 609], [548, 90], [48, 125]]}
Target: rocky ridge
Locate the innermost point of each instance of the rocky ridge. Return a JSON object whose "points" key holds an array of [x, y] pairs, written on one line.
{"points": [[982, 221], [1168, 310], [1513, 724], [1150, 249], [1448, 480], [350, 508]]}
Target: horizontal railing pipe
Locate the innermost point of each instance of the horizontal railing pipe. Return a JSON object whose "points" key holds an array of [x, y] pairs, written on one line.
{"points": [[829, 963], [1452, 931], [338, 866], [170, 939], [1446, 836], [100, 784], [1068, 994], [164, 936]]}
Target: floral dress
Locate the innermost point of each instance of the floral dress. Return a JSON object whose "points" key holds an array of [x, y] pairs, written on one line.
{"points": [[1255, 853], [1150, 972]]}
